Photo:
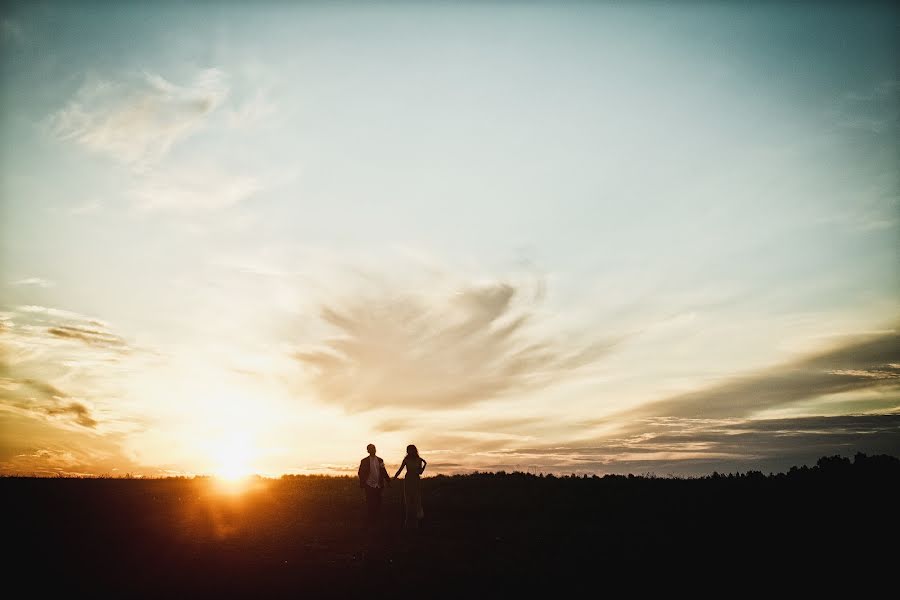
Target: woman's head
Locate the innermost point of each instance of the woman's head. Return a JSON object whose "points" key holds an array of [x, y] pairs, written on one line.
{"points": [[411, 450]]}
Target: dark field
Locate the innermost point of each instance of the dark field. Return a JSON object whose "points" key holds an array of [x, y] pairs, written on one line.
{"points": [[304, 536]]}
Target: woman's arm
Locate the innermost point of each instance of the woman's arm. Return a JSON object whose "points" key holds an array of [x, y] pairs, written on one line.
{"points": [[424, 463], [403, 464]]}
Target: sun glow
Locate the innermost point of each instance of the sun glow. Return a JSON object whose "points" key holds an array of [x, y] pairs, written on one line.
{"points": [[233, 460], [233, 472]]}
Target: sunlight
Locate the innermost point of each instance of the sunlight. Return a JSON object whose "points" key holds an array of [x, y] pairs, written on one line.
{"points": [[232, 472], [233, 460], [231, 485]]}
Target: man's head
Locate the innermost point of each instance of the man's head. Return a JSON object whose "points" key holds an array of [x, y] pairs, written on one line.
{"points": [[371, 449]]}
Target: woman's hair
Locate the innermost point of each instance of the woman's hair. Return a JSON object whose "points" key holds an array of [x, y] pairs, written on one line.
{"points": [[411, 450]]}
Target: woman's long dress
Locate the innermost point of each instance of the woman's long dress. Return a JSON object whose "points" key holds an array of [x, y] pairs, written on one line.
{"points": [[412, 493]]}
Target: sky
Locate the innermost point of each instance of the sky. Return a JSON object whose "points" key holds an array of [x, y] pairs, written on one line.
{"points": [[562, 237]]}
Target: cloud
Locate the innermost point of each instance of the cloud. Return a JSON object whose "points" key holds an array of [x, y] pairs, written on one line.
{"points": [[197, 188], [33, 282], [894, 373], [77, 410], [842, 400], [35, 396], [94, 337], [33, 446], [860, 365], [88, 207], [253, 111], [759, 438], [417, 350], [697, 446], [139, 119], [57, 313], [42, 388], [58, 364], [480, 426], [66, 325]]}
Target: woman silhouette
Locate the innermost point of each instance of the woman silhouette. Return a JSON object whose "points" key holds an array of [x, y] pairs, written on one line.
{"points": [[412, 491]]}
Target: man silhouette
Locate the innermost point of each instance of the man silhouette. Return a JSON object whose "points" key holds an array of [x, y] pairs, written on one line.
{"points": [[373, 478]]}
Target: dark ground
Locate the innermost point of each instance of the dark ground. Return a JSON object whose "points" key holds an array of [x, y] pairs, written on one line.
{"points": [[304, 536]]}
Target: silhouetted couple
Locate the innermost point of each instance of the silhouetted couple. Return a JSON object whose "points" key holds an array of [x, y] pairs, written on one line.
{"points": [[373, 478]]}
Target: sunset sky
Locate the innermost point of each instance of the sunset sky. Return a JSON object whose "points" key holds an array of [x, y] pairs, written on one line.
{"points": [[553, 237]]}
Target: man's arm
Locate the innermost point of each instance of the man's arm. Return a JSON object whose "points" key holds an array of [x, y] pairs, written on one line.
{"points": [[384, 473], [359, 473]]}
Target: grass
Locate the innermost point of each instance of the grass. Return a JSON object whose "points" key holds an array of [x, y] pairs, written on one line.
{"points": [[305, 536]]}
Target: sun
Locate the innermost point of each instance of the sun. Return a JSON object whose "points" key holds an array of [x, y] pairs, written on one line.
{"points": [[233, 460], [232, 472]]}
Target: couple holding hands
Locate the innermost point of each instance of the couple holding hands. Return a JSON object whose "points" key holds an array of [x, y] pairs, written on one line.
{"points": [[373, 478]]}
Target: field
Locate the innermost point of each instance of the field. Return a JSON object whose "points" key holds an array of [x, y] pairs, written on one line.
{"points": [[305, 537]]}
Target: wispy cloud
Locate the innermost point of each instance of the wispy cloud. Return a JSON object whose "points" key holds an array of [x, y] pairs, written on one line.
{"points": [[253, 111], [76, 410], [490, 426], [858, 365], [93, 337], [891, 373], [33, 282], [57, 363], [192, 189], [138, 119], [845, 399], [480, 342], [719, 427], [35, 447], [696, 446], [50, 314], [88, 207], [35, 396]]}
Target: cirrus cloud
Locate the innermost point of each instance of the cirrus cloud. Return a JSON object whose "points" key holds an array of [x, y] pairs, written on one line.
{"points": [[137, 120], [53, 362], [194, 189], [861, 364], [38, 282], [418, 350]]}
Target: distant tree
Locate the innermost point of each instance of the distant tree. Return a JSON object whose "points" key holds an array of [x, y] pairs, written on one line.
{"points": [[880, 463], [834, 464]]}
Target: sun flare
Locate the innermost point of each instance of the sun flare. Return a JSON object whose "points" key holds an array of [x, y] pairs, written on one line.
{"points": [[232, 472], [233, 460]]}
